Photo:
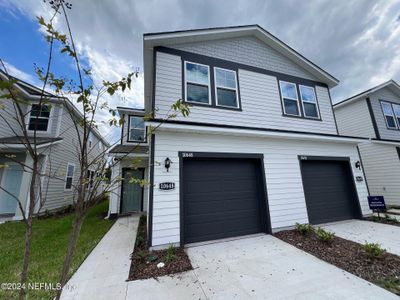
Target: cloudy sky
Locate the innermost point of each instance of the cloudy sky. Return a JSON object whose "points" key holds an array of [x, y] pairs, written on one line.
{"points": [[357, 41]]}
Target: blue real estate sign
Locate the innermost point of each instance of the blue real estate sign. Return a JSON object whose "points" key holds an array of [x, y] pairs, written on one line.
{"points": [[376, 202]]}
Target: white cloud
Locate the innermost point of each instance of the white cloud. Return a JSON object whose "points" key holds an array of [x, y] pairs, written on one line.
{"points": [[14, 71]]}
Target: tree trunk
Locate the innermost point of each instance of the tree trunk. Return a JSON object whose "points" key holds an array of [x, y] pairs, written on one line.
{"points": [[28, 232]]}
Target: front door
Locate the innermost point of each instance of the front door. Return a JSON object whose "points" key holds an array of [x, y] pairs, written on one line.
{"points": [[132, 192], [10, 180]]}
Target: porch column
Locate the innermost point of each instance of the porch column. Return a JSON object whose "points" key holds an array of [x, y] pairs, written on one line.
{"points": [[115, 191], [24, 190]]}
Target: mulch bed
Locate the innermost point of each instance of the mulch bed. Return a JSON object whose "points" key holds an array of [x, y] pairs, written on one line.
{"points": [[382, 220], [350, 256], [144, 262]]}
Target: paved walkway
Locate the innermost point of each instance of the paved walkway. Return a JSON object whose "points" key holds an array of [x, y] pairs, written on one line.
{"points": [[261, 267], [361, 231], [104, 273]]}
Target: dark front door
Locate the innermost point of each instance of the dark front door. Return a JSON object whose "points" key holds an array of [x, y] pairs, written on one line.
{"points": [[132, 192], [222, 198], [329, 191]]}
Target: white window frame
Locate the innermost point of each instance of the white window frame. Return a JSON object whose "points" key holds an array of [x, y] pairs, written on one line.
{"points": [[129, 131], [66, 176], [302, 102], [396, 118], [393, 115], [49, 123], [283, 102], [226, 88], [187, 81]]}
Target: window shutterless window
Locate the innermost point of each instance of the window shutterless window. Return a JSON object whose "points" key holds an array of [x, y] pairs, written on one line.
{"points": [[396, 109], [309, 101], [389, 115], [136, 129], [39, 117], [290, 100], [69, 176], [197, 83], [226, 90]]}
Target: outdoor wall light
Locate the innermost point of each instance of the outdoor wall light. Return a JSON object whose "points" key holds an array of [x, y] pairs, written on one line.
{"points": [[358, 165], [167, 163]]}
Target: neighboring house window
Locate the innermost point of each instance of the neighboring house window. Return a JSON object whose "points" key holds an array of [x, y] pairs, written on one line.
{"points": [[100, 146], [309, 101], [197, 83], [136, 129], [396, 109], [289, 98], [226, 88], [69, 176], [39, 117], [389, 115], [90, 178], [90, 140]]}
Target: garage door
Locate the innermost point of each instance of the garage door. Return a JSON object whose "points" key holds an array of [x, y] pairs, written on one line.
{"points": [[329, 191], [222, 198]]}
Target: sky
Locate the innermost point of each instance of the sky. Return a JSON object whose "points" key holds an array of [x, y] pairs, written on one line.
{"points": [[357, 41]]}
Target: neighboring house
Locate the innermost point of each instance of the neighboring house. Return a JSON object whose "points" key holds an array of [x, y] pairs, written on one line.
{"points": [[375, 114], [130, 161], [260, 150], [57, 142]]}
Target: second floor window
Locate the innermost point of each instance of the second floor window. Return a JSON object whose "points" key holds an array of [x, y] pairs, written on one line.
{"points": [[69, 176], [389, 115], [39, 117], [290, 98], [309, 101], [136, 129], [396, 109], [197, 83], [226, 88]]}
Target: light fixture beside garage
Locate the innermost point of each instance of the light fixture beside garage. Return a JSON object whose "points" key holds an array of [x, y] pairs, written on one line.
{"points": [[358, 165], [167, 163]]}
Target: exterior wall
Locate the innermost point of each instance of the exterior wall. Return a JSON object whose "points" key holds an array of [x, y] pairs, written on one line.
{"points": [[260, 100], [249, 51], [282, 170], [388, 95], [354, 119], [382, 169]]}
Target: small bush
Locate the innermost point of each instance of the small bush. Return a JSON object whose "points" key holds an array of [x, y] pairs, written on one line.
{"points": [[391, 219], [304, 228], [141, 255], [325, 236], [170, 254], [373, 249]]}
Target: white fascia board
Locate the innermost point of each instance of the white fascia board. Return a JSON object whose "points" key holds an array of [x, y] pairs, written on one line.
{"points": [[252, 133], [386, 142], [22, 146]]}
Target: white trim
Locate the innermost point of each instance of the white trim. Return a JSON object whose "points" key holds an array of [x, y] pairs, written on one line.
{"points": [[209, 84], [315, 103], [59, 120], [66, 176], [22, 146], [393, 115], [283, 102], [50, 119], [224, 87]]}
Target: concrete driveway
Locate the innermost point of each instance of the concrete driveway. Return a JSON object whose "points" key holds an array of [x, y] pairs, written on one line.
{"points": [[361, 231], [261, 267]]}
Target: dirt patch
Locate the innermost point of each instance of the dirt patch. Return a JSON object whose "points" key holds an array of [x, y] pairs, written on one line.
{"points": [[350, 256], [144, 262], [383, 220]]}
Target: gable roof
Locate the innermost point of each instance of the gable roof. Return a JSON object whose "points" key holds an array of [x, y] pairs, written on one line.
{"points": [[198, 35], [391, 84]]}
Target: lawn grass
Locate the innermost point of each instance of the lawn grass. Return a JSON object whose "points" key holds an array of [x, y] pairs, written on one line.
{"points": [[49, 243]]}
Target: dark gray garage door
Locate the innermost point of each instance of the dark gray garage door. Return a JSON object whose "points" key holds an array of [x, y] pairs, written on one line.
{"points": [[222, 198], [329, 190]]}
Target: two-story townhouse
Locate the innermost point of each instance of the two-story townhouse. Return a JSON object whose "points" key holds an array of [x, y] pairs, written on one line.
{"points": [[260, 149], [375, 114], [56, 143]]}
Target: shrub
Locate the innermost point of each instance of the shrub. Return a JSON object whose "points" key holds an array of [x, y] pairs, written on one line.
{"points": [[141, 255], [304, 228], [170, 254], [373, 249], [391, 219], [325, 236]]}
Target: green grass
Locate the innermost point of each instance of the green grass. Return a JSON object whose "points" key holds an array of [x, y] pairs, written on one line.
{"points": [[49, 242]]}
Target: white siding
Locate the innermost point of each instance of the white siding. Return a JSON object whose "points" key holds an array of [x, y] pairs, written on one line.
{"points": [[261, 103], [354, 119], [248, 51], [388, 95], [283, 176], [382, 169]]}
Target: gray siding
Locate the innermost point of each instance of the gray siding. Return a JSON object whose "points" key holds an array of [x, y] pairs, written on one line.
{"points": [[249, 51], [388, 95], [382, 169], [354, 119], [261, 103], [7, 118]]}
